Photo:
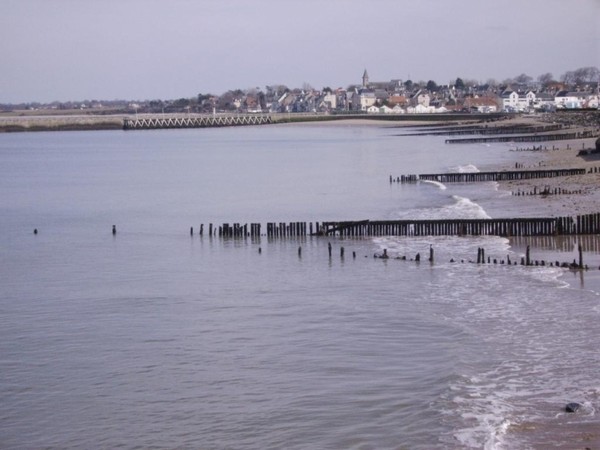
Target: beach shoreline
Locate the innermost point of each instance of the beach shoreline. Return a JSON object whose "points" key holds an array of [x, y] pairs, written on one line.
{"points": [[574, 431]]}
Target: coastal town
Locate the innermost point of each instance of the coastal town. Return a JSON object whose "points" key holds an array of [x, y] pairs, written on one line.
{"points": [[577, 89]]}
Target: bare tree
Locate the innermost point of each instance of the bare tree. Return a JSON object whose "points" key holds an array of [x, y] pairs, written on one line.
{"points": [[523, 79], [545, 78]]}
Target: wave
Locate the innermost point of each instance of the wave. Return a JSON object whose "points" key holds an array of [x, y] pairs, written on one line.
{"points": [[442, 186], [463, 208], [467, 168]]}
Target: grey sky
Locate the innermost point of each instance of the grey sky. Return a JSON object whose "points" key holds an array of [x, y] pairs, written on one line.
{"points": [[150, 49]]}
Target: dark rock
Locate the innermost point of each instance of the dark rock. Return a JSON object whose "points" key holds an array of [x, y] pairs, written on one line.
{"points": [[572, 407]]}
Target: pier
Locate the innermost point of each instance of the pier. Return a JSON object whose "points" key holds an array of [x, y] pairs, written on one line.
{"points": [[151, 122]]}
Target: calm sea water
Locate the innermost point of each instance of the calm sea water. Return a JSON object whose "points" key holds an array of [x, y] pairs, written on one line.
{"points": [[153, 338]]}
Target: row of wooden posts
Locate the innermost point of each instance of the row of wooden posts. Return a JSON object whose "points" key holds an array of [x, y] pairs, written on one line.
{"points": [[525, 138], [548, 226], [526, 260], [547, 191], [485, 130], [471, 177]]}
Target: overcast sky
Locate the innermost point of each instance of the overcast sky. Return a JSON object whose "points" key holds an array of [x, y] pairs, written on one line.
{"points": [[166, 49]]}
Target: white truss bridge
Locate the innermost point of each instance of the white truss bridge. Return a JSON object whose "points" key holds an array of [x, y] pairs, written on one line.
{"points": [[150, 122]]}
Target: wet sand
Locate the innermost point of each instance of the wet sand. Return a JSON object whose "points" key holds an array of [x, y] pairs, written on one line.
{"points": [[580, 430]]}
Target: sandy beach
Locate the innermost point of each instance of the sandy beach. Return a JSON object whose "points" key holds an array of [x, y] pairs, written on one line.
{"points": [[560, 430]]}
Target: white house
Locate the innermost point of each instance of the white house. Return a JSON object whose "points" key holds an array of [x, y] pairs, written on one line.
{"points": [[592, 101], [570, 100], [398, 110], [420, 109], [372, 109], [510, 100]]}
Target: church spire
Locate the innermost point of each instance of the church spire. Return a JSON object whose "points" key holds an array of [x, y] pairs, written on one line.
{"points": [[365, 79]]}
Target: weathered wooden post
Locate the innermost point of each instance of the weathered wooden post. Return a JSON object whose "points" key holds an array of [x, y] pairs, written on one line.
{"points": [[329, 248], [114, 229], [299, 252], [191, 231], [430, 253], [201, 229], [579, 248], [342, 252], [527, 256], [35, 231]]}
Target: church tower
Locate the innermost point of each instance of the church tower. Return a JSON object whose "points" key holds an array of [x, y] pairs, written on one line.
{"points": [[365, 79]]}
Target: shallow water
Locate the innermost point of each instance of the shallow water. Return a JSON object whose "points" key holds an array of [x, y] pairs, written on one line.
{"points": [[155, 338]]}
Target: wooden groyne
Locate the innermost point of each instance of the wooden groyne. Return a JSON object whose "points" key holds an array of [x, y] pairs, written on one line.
{"points": [[485, 130], [537, 226], [525, 138], [194, 121], [471, 177]]}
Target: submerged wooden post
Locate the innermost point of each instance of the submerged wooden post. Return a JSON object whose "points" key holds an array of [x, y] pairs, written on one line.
{"points": [[114, 229], [579, 248], [430, 253], [329, 248], [527, 257]]}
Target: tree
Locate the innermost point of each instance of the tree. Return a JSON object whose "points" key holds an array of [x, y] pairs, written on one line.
{"points": [[408, 84], [493, 83], [586, 75], [545, 79], [459, 83], [432, 86], [523, 79]]}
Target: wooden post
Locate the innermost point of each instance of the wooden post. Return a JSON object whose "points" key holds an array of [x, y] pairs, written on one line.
{"points": [[299, 252], [191, 231], [527, 257], [114, 229], [329, 248], [430, 253], [579, 248]]}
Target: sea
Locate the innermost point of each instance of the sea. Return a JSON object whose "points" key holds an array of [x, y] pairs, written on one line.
{"points": [[154, 337]]}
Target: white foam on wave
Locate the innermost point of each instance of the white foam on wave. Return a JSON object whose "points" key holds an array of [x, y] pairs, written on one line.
{"points": [[467, 168], [442, 186], [463, 208]]}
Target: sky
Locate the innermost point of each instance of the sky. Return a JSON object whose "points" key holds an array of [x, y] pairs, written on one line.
{"points": [[75, 50]]}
